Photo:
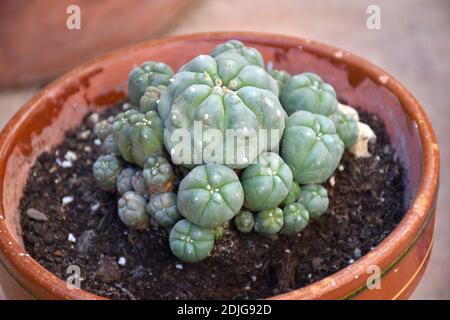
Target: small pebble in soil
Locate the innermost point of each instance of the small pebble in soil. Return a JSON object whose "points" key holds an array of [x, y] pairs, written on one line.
{"points": [[71, 238], [122, 261]]}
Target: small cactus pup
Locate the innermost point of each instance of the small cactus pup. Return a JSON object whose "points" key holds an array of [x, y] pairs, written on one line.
{"points": [[189, 242], [314, 198], [162, 207], [150, 98], [123, 184], [307, 91], [269, 222], [139, 185], [244, 221], [210, 195], [131, 209], [110, 145], [293, 194], [158, 174], [219, 231], [267, 182], [346, 128], [138, 135], [281, 77], [311, 147], [102, 129], [105, 170], [230, 92], [296, 218], [150, 73]]}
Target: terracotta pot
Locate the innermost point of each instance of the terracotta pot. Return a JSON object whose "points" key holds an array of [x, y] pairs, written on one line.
{"points": [[36, 45], [402, 257]]}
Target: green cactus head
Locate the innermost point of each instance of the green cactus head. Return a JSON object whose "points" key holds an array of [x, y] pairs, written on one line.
{"points": [[244, 221], [123, 184], [131, 209], [252, 55], [150, 99], [189, 242], [308, 92], [267, 182], [293, 194], [162, 207], [102, 129], [314, 198], [281, 77], [158, 174], [148, 74], [210, 195], [346, 127], [110, 145], [296, 218], [311, 147], [105, 170], [138, 184], [269, 222]]}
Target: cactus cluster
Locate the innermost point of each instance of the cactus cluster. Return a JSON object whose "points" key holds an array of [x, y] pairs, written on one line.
{"points": [[273, 192]]}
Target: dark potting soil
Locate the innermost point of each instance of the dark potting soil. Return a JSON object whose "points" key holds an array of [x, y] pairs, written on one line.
{"points": [[67, 220]]}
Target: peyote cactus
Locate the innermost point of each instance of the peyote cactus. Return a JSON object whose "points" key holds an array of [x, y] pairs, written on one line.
{"points": [[162, 207], [293, 194], [158, 174], [109, 145], [189, 242], [219, 231], [252, 55], [138, 184], [296, 218], [307, 91], [131, 210], [150, 99], [210, 195], [148, 74], [244, 221], [346, 128], [229, 90], [123, 184], [311, 147], [281, 77], [138, 135], [269, 222], [314, 198], [102, 129], [106, 169], [267, 182]]}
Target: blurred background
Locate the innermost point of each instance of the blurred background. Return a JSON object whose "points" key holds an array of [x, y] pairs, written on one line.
{"points": [[412, 44]]}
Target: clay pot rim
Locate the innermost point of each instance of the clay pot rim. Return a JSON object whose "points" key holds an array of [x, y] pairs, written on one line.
{"points": [[390, 249]]}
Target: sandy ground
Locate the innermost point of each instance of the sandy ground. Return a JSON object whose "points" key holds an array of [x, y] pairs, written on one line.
{"points": [[413, 45]]}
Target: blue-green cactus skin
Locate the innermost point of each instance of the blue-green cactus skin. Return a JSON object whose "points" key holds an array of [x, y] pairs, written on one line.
{"points": [[123, 184], [346, 128], [293, 194], [308, 92], [281, 77], [219, 232], [210, 195], [102, 129], [244, 221], [139, 185], [227, 91], [189, 242], [311, 147], [138, 135], [110, 145], [269, 222], [150, 99], [105, 170], [252, 55], [131, 209], [267, 182], [314, 198], [148, 74], [158, 174], [296, 218], [163, 208]]}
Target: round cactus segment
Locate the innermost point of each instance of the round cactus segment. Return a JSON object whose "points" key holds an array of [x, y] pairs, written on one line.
{"points": [[210, 195], [110, 145], [148, 74], [150, 99], [296, 218], [138, 184], [244, 221], [131, 209], [314, 198], [102, 129], [267, 182], [346, 128], [293, 194], [189, 242], [307, 91], [124, 180], [219, 231], [162, 207], [105, 170], [158, 174], [281, 77], [269, 222], [252, 55], [311, 147]]}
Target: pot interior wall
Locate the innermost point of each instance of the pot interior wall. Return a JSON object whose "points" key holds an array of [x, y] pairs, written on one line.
{"points": [[62, 106]]}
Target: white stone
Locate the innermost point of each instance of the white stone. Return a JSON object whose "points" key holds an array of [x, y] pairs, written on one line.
{"points": [[361, 147]]}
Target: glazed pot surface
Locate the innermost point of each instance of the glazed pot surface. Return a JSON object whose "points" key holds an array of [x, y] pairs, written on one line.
{"points": [[42, 123]]}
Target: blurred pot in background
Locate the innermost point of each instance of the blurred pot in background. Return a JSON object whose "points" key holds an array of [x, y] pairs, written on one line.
{"points": [[36, 45]]}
